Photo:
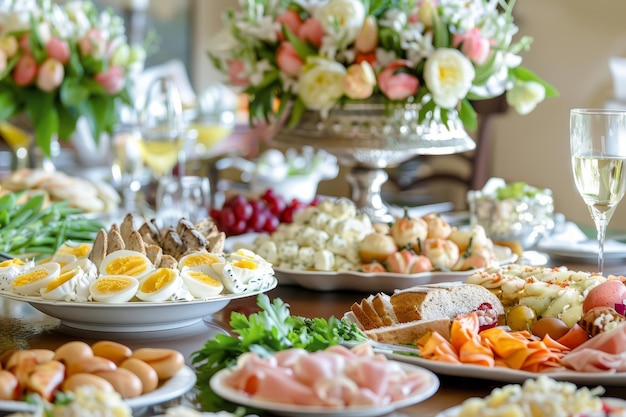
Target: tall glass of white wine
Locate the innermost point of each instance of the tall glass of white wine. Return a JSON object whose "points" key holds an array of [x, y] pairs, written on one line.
{"points": [[162, 127], [598, 150]]}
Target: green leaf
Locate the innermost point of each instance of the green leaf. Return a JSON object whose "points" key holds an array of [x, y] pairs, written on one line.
{"points": [[296, 112], [42, 112], [67, 122], [8, 103], [468, 115], [441, 37], [73, 92], [303, 49], [485, 71]]}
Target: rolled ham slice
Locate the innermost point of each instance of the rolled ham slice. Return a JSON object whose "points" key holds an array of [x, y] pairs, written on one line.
{"points": [[605, 352]]}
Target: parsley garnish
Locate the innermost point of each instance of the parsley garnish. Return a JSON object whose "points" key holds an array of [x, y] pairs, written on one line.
{"points": [[268, 331]]}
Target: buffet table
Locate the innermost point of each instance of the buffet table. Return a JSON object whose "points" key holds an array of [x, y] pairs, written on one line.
{"points": [[24, 327]]}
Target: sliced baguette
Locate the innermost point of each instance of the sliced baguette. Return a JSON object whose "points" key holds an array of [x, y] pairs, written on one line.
{"points": [[366, 314], [429, 302], [382, 305], [409, 333]]}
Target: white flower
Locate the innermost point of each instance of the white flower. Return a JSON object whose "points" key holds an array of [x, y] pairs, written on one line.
{"points": [[448, 75], [321, 84], [342, 19], [525, 96], [265, 29]]}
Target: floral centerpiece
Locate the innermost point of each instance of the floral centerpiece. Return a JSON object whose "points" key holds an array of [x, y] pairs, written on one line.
{"points": [[62, 62], [318, 54]]}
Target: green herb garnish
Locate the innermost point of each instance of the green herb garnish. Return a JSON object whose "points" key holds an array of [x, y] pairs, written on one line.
{"points": [[517, 190], [268, 331]]}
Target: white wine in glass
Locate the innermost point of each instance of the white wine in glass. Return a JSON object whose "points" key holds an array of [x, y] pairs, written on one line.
{"points": [[598, 150]]}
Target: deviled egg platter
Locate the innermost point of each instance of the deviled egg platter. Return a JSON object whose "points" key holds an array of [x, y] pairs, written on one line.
{"points": [[125, 264]]}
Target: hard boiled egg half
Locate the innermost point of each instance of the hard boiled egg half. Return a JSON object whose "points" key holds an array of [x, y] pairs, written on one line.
{"points": [[126, 262], [243, 271], [64, 286], [113, 288], [160, 285], [10, 269], [202, 281], [34, 279], [89, 273], [198, 258]]}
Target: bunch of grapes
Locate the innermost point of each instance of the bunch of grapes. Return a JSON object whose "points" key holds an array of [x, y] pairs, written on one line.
{"points": [[263, 214]]}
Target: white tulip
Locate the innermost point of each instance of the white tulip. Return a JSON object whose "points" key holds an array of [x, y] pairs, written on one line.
{"points": [[525, 96], [321, 84], [342, 19], [448, 75]]}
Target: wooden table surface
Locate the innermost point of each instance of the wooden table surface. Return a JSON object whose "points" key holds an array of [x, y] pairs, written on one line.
{"points": [[23, 327]]}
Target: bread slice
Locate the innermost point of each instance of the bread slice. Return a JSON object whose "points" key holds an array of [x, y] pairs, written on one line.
{"points": [[435, 301], [409, 333], [366, 315], [382, 305]]}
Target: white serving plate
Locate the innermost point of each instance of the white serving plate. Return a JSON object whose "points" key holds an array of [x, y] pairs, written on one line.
{"points": [[133, 316], [281, 409], [174, 387], [506, 374], [454, 411]]}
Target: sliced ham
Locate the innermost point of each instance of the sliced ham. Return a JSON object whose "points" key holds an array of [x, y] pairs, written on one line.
{"points": [[605, 352]]}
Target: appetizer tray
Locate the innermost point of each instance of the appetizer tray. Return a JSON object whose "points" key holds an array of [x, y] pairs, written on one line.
{"points": [[131, 316], [172, 388], [282, 409]]}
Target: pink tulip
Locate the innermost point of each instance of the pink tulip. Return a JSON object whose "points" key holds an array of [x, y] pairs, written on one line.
{"points": [[312, 31], [25, 70], [367, 40], [288, 59], [371, 58], [396, 84], [359, 81], [50, 75], [291, 19], [112, 80], [92, 43], [58, 49], [236, 73], [473, 45]]}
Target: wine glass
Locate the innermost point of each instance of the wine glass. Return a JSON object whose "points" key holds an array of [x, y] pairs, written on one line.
{"points": [[214, 119], [598, 149], [163, 128]]}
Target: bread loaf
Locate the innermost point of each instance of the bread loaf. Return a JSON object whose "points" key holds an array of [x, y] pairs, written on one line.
{"points": [[409, 333], [436, 301]]}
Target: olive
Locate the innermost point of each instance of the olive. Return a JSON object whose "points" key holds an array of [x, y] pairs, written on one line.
{"points": [[521, 317], [551, 326]]}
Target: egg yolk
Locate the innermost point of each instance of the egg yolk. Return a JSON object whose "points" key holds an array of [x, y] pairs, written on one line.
{"points": [[200, 259], [245, 264], [62, 279], [79, 251], [111, 285], [204, 278], [159, 279], [129, 265], [12, 262], [30, 277]]}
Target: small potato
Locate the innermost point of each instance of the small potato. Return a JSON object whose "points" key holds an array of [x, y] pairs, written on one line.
{"points": [[8, 386], [126, 383], [147, 374], [75, 351], [113, 351], [85, 379], [91, 365], [166, 362]]}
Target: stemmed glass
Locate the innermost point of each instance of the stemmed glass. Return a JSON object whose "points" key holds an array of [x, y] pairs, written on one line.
{"points": [[162, 127], [598, 150]]}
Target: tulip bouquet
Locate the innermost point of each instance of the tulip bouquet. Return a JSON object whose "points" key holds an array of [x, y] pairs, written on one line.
{"points": [[318, 54], [62, 62]]}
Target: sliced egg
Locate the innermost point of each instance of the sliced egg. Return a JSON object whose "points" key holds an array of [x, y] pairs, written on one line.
{"points": [[79, 250], [36, 278], [202, 282], [10, 269], [89, 273], [262, 266], [160, 285], [113, 288], [63, 258], [126, 262], [194, 259], [63, 287]]}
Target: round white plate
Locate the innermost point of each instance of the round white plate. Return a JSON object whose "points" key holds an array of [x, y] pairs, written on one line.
{"points": [[454, 411], [236, 396], [139, 316], [176, 386]]}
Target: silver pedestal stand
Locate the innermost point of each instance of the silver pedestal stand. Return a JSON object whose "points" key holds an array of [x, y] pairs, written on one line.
{"points": [[368, 137]]}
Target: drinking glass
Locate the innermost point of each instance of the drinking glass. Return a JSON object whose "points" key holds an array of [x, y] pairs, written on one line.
{"points": [[598, 150], [163, 128], [182, 197], [214, 120]]}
